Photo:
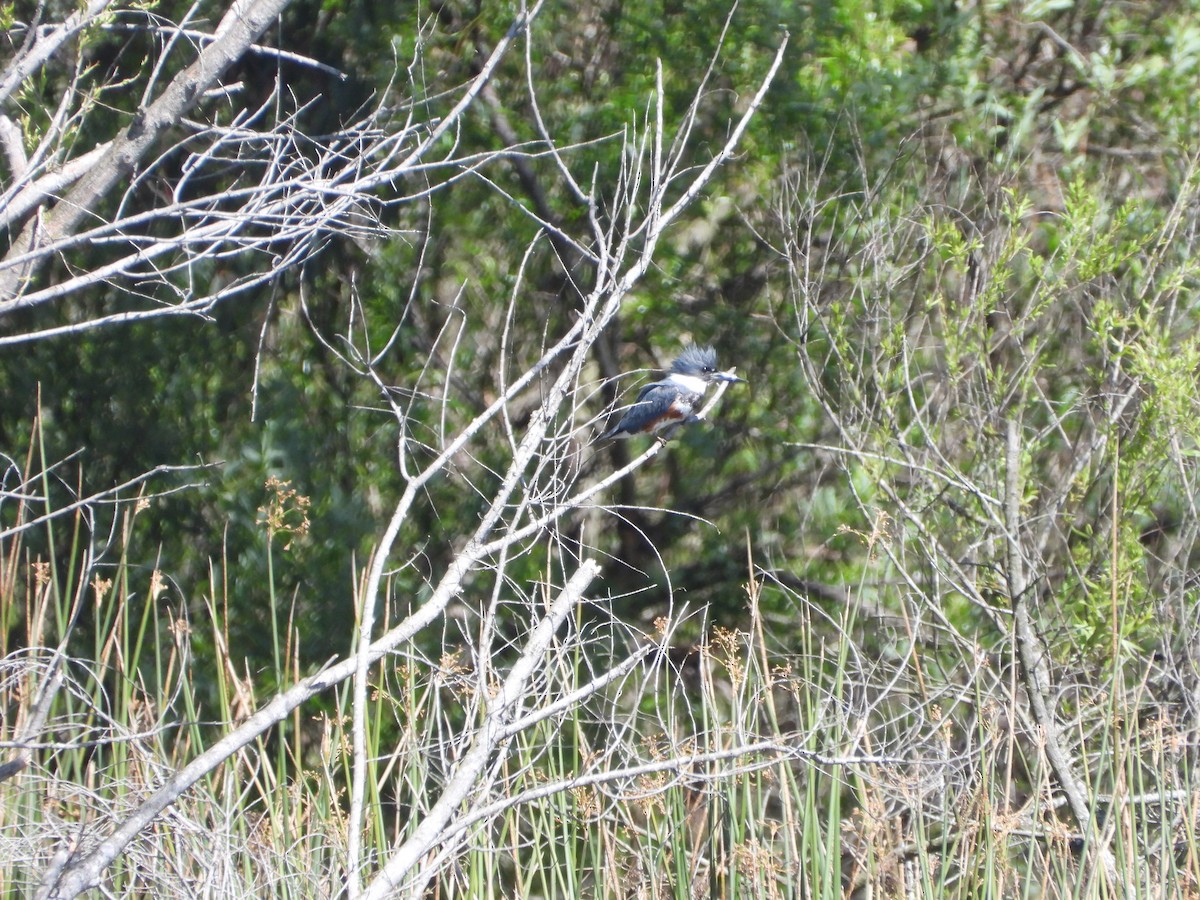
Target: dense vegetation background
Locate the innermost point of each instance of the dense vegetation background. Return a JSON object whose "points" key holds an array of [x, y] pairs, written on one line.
{"points": [[923, 593]]}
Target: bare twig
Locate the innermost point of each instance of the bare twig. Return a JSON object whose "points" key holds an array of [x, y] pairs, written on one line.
{"points": [[1034, 668], [490, 734]]}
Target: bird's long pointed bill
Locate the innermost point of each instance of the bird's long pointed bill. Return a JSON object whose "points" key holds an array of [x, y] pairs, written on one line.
{"points": [[730, 377]]}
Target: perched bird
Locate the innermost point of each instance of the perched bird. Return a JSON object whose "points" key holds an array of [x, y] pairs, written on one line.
{"points": [[663, 406]]}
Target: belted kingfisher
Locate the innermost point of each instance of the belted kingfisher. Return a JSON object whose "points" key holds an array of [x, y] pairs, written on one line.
{"points": [[665, 405]]}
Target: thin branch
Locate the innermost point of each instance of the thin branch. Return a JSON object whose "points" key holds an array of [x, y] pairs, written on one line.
{"points": [[1034, 669], [490, 734]]}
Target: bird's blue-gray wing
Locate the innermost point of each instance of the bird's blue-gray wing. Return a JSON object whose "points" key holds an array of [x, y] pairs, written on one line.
{"points": [[652, 387]]}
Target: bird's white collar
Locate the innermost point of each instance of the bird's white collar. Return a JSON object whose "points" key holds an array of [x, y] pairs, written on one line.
{"points": [[689, 383]]}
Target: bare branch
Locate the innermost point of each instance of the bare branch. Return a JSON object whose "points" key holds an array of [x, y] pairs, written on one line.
{"points": [[484, 742], [1034, 668], [42, 44]]}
